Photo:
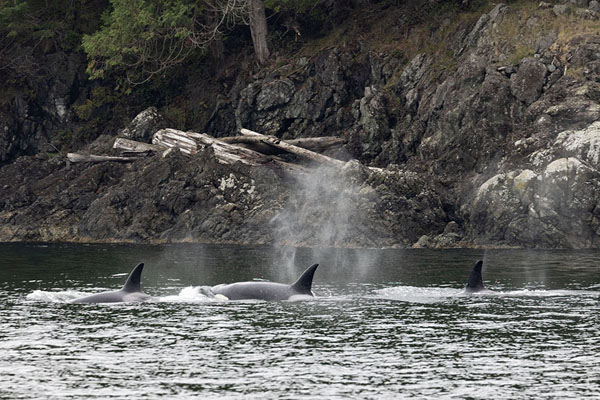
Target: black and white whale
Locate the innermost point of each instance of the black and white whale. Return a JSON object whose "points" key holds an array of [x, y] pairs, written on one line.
{"points": [[260, 290], [131, 291], [475, 283]]}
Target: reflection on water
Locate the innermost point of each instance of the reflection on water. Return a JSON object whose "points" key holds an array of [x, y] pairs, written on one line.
{"points": [[386, 324]]}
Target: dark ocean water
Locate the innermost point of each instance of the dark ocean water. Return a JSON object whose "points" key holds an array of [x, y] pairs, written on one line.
{"points": [[385, 324]]}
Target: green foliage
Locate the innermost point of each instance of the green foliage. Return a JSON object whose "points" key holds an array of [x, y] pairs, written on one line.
{"points": [[99, 97], [185, 114], [32, 27], [32, 21], [63, 138], [521, 51], [12, 18], [142, 38]]}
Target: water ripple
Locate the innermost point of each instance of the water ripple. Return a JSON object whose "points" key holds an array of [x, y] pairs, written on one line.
{"points": [[378, 340]]}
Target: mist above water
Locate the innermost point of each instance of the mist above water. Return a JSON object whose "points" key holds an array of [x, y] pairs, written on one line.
{"points": [[324, 210], [327, 209]]}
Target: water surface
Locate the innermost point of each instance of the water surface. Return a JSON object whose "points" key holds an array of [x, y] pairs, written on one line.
{"points": [[385, 324]]}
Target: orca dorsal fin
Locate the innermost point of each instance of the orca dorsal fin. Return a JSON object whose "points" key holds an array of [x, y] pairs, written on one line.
{"points": [[475, 279], [133, 283], [304, 283]]}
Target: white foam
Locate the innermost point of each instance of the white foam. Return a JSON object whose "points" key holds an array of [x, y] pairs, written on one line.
{"points": [[595, 286], [413, 294], [193, 294], [548, 293], [301, 297], [54, 297]]}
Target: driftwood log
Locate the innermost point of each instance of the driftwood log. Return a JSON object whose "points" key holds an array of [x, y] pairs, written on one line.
{"points": [[77, 158], [290, 148], [132, 148], [251, 148], [252, 143], [191, 142], [299, 151], [186, 142], [317, 144], [226, 153]]}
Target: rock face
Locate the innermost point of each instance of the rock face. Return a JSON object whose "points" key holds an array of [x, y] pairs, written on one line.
{"points": [[315, 103], [527, 83], [492, 141], [27, 120], [144, 125], [178, 199], [554, 204]]}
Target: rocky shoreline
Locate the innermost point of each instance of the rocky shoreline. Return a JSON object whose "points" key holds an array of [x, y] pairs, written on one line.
{"points": [[177, 198], [496, 146]]}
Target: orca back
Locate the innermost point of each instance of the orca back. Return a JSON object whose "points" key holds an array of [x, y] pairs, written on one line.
{"points": [[134, 281], [304, 284], [475, 282]]}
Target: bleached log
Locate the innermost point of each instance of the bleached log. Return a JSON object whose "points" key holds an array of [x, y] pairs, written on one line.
{"points": [[320, 143], [317, 144], [252, 143], [133, 148], [170, 138], [290, 148], [76, 158], [226, 153], [297, 150]]}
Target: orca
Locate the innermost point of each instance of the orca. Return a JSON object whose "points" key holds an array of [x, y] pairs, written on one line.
{"points": [[259, 290], [131, 291], [475, 283]]}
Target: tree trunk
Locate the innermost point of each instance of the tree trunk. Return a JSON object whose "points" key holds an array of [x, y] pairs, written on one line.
{"points": [[258, 29]]}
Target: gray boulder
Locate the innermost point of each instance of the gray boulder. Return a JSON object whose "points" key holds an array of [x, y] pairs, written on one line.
{"points": [[580, 3], [562, 9], [144, 125], [526, 85], [550, 204]]}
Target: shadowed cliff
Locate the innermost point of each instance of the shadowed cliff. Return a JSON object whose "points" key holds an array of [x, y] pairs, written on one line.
{"points": [[485, 121]]}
